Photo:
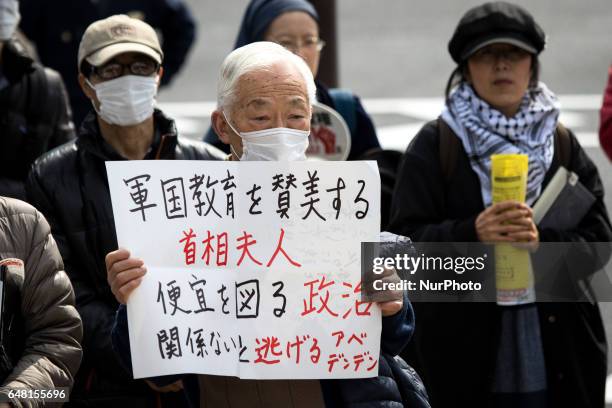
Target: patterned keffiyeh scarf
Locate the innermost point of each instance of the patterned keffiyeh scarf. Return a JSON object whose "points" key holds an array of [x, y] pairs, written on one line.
{"points": [[485, 131]]}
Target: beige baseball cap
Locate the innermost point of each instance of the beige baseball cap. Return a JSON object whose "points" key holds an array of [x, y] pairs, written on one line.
{"points": [[116, 35]]}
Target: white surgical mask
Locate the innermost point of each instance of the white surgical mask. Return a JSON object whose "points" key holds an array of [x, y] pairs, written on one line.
{"points": [[276, 144], [127, 100], [9, 19]]}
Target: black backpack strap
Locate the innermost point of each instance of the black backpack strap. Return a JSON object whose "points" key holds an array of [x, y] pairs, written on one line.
{"points": [[449, 146], [563, 145]]}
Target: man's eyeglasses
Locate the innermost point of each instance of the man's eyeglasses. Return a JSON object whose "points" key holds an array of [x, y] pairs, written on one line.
{"points": [[294, 45], [114, 70]]}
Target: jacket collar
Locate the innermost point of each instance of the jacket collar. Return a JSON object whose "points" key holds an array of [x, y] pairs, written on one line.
{"points": [[15, 61], [164, 141]]}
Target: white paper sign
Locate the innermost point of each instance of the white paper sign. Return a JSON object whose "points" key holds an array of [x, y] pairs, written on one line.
{"points": [[253, 267]]}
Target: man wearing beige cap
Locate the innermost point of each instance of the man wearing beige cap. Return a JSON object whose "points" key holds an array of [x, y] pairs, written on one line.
{"points": [[119, 65]]}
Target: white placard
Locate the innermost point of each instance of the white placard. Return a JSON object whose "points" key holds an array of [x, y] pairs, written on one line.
{"points": [[253, 267]]}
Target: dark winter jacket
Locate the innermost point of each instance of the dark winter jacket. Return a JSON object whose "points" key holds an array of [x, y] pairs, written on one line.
{"points": [[69, 185], [34, 116], [454, 346]]}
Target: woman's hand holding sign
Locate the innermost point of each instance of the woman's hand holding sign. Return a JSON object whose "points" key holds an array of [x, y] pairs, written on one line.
{"points": [[508, 221]]}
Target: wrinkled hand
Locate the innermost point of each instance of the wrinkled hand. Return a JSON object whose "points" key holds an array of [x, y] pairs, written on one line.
{"points": [[123, 273], [174, 387], [390, 308], [393, 300]]}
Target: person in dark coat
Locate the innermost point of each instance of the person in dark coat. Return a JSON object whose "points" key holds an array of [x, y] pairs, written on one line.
{"points": [[119, 71], [481, 354], [56, 27], [294, 24], [26, 131]]}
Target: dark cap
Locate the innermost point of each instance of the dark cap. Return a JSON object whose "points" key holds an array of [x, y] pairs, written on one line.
{"points": [[495, 22]]}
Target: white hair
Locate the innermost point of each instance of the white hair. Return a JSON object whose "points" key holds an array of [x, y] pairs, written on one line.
{"points": [[252, 57]]}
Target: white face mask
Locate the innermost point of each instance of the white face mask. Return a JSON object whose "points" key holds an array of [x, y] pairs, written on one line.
{"points": [[276, 144], [127, 100], [9, 19]]}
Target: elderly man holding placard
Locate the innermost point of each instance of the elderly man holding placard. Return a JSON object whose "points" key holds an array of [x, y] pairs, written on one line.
{"points": [[265, 96]]}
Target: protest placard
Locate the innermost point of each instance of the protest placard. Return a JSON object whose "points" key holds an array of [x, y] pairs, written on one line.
{"points": [[253, 267]]}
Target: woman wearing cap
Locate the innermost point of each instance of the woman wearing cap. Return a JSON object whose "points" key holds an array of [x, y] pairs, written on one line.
{"points": [[294, 25], [482, 354]]}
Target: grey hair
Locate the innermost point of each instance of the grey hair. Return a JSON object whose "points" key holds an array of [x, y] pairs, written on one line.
{"points": [[254, 56]]}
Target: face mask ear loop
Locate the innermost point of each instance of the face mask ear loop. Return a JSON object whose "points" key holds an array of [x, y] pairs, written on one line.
{"points": [[91, 100], [230, 124], [233, 130], [234, 152]]}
